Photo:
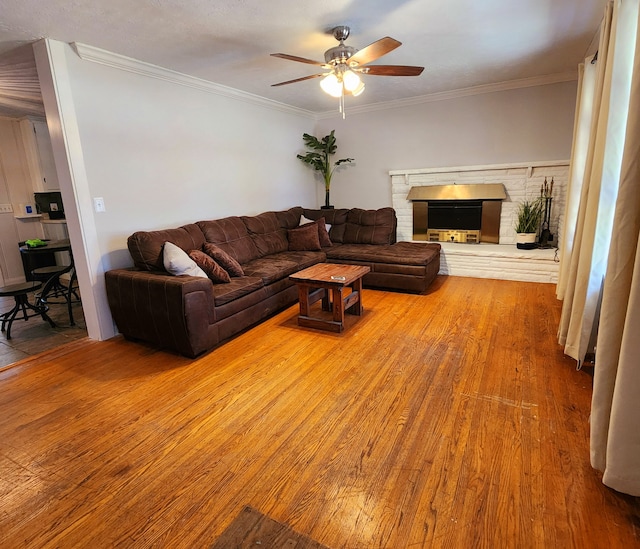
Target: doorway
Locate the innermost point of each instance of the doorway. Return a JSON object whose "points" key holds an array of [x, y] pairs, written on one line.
{"points": [[26, 106]]}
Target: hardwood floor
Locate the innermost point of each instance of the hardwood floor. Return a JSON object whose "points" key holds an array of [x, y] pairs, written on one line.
{"points": [[450, 419]]}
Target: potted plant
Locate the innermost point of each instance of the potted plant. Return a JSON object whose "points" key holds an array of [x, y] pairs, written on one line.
{"points": [[529, 215], [319, 158]]}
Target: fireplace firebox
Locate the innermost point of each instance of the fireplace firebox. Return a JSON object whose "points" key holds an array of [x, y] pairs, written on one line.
{"points": [[457, 213]]}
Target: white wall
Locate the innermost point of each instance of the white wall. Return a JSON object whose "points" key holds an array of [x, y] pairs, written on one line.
{"points": [[162, 154], [521, 125]]}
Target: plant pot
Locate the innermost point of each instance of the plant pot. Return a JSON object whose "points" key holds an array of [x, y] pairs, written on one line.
{"points": [[526, 241]]}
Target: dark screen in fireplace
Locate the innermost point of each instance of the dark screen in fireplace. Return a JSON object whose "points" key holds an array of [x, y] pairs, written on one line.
{"points": [[465, 215]]}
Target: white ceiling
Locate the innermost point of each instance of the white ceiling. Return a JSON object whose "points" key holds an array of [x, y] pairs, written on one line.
{"points": [[461, 43]]}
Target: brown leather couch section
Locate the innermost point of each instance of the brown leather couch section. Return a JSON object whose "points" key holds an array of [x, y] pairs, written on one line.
{"points": [[167, 311], [192, 315]]}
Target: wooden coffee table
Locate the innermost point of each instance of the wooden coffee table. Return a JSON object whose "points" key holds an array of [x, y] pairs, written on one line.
{"points": [[327, 281]]}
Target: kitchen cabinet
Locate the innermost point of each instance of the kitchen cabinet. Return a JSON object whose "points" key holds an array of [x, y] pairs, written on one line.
{"points": [[26, 166], [39, 155]]}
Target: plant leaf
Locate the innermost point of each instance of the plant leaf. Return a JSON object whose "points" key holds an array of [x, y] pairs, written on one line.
{"points": [[319, 161]]}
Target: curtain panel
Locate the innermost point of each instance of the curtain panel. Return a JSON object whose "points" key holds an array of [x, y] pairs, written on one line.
{"points": [[615, 409], [593, 226], [577, 168], [599, 280]]}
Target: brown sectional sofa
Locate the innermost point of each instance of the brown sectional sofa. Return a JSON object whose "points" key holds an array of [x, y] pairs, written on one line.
{"points": [[192, 315]]}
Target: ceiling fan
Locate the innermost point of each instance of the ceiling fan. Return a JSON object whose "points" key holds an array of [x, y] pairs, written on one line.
{"points": [[346, 63]]}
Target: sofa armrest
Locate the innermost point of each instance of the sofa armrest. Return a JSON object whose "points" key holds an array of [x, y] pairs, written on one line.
{"points": [[174, 312]]}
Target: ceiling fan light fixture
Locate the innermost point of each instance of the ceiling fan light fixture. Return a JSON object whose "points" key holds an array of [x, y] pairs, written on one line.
{"points": [[346, 64], [351, 81], [358, 90], [331, 85]]}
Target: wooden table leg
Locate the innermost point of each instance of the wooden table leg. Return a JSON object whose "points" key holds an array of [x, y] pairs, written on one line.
{"points": [[356, 308], [338, 306], [303, 298], [326, 303]]}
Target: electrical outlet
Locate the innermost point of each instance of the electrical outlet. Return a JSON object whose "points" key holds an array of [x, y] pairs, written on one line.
{"points": [[98, 204], [6, 208]]}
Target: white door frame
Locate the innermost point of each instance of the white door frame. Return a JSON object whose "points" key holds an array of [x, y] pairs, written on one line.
{"points": [[55, 85]]}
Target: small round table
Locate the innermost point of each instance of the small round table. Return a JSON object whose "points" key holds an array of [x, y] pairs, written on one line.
{"points": [[19, 293]]}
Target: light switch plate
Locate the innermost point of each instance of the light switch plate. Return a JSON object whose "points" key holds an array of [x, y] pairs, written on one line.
{"points": [[6, 208], [98, 204]]}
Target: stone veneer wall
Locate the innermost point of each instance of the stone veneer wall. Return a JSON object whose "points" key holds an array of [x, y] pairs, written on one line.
{"points": [[503, 260]]}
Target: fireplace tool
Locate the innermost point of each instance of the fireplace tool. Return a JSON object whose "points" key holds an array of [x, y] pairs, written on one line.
{"points": [[546, 192]]}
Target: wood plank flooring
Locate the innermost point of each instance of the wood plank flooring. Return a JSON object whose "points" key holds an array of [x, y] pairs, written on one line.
{"points": [[450, 419]]}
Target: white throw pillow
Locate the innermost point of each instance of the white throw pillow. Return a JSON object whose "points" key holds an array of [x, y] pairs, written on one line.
{"points": [[304, 220], [178, 262]]}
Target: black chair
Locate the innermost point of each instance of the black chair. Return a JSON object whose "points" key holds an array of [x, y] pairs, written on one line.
{"points": [[54, 288], [20, 293]]}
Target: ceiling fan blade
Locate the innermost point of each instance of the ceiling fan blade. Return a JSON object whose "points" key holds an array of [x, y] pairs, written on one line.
{"points": [[392, 70], [298, 80], [296, 58], [374, 51]]}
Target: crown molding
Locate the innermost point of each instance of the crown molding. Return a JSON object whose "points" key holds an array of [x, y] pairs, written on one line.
{"points": [[463, 92], [110, 59], [114, 60]]}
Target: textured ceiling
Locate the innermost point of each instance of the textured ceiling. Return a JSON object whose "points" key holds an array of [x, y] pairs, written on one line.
{"points": [[461, 43]]}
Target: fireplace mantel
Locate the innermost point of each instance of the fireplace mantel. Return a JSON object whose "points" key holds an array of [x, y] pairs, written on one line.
{"points": [[473, 191]]}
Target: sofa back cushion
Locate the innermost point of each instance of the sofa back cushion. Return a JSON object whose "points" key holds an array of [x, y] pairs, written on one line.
{"points": [[145, 247], [266, 233], [230, 234], [370, 226], [290, 219], [336, 217]]}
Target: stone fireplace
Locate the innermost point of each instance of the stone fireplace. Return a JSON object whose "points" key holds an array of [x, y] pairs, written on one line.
{"points": [[492, 254]]}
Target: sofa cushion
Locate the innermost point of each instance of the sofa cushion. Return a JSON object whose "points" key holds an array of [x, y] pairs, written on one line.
{"points": [[178, 263], [271, 268], [266, 233], [289, 219], [370, 226], [323, 235], [238, 287], [230, 234], [302, 258], [221, 257], [304, 221], [212, 269], [146, 247], [400, 253], [304, 238], [336, 217]]}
